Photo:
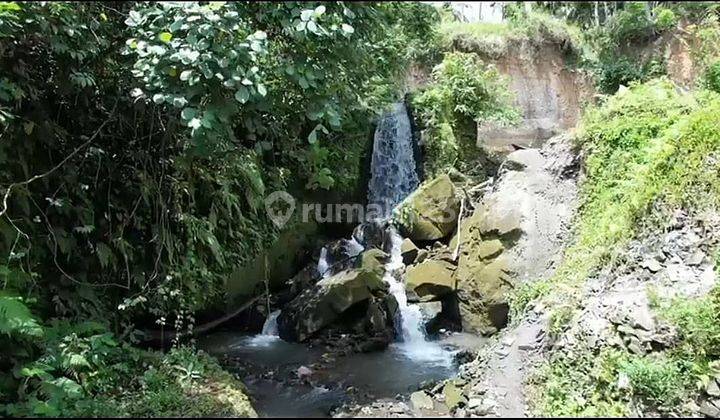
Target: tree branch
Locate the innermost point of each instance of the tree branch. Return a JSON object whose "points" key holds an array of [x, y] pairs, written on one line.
{"points": [[58, 166]]}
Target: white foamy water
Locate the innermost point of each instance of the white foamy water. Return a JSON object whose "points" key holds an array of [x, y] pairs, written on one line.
{"points": [[269, 332], [414, 344], [323, 266]]}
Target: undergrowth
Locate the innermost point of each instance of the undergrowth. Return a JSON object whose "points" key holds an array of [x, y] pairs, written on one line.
{"points": [[647, 144], [534, 29], [463, 91]]}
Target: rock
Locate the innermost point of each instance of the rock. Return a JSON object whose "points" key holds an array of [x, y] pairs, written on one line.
{"points": [[429, 213], [489, 249], [483, 296], [374, 260], [696, 258], [431, 278], [304, 372], [475, 403], [323, 303], [453, 396], [371, 234], [423, 254], [409, 251], [500, 217], [651, 264], [712, 389], [526, 159], [340, 254], [420, 400], [710, 408]]}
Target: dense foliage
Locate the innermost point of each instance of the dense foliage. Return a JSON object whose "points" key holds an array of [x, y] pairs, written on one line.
{"points": [[463, 91], [647, 148], [137, 142]]}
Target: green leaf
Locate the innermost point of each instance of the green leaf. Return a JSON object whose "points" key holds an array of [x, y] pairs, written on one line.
{"points": [[188, 113], [158, 98], [185, 75], [305, 15], [195, 123], [312, 138], [15, 318], [262, 90], [165, 36], [104, 254], [242, 94], [319, 10], [347, 28]]}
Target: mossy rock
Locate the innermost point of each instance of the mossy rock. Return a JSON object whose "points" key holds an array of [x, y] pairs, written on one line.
{"points": [[431, 278], [430, 213], [325, 302]]}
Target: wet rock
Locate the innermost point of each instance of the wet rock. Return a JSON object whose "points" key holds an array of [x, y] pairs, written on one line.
{"points": [[323, 303], [342, 254], [431, 278], [420, 400], [409, 251], [371, 234], [429, 213]]}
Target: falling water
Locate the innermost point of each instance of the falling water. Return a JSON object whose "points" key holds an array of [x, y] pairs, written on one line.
{"points": [[414, 344], [393, 163], [322, 265], [269, 332], [393, 178]]}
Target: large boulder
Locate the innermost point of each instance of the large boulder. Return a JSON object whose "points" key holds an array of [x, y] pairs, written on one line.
{"points": [[430, 213], [409, 251], [516, 234], [433, 278], [323, 303]]}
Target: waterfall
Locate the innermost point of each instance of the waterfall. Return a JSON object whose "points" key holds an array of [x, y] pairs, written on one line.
{"points": [[411, 320], [269, 332], [394, 177], [393, 174], [322, 265], [270, 327]]}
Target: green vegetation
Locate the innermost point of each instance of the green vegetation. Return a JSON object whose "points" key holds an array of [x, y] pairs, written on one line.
{"points": [[83, 370], [463, 91], [523, 29], [137, 143], [646, 145]]}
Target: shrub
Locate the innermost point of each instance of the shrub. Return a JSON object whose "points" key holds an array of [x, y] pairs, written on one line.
{"points": [[463, 91], [657, 379], [712, 77]]}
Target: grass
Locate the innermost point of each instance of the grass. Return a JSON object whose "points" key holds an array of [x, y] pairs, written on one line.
{"points": [[646, 145], [497, 39]]}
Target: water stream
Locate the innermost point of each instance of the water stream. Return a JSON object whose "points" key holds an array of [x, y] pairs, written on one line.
{"points": [[271, 373]]}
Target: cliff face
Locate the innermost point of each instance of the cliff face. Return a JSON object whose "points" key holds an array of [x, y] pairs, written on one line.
{"points": [[549, 93]]}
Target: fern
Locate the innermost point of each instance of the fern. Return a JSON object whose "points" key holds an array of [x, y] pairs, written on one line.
{"points": [[16, 318]]}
